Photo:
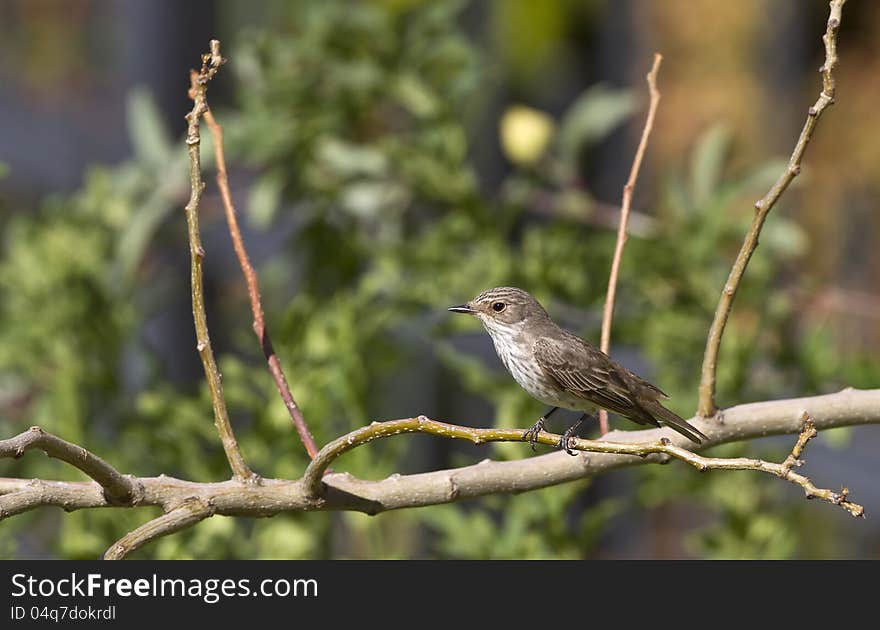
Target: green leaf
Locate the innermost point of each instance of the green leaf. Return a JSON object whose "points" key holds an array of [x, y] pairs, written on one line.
{"points": [[140, 230], [595, 113], [264, 199], [838, 438], [785, 237], [416, 96], [147, 132], [347, 159], [707, 161], [368, 199], [761, 178]]}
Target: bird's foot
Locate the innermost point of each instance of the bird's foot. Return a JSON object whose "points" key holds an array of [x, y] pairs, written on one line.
{"points": [[566, 438], [532, 434], [563, 443]]}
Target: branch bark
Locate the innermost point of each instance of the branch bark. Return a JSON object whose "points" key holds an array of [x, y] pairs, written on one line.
{"points": [[117, 487], [762, 209], [250, 277], [191, 511], [342, 491], [211, 63], [663, 446], [628, 189]]}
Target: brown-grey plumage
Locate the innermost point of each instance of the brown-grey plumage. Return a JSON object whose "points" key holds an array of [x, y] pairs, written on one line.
{"points": [[562, 370]]}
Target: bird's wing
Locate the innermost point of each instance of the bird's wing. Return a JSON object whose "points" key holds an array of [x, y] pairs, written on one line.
{"points": [[585, 371], [638, 379]]}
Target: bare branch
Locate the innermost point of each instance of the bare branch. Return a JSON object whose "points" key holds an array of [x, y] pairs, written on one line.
{"points": [[806, 435], [250, 276], [628, 189], [783, 470], [191, 511], [343, 492], [589, 212], [23, 495], [742, 422], [662, 446], [118, 487], [762, 209], [211, 62]]}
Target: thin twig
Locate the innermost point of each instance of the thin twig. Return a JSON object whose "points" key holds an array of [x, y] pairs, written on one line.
{"points": [[628, 189], [118, 487], [250, 276], [763, 206], [783, 470], [191, 511], [211, 62], [589, 212], [809, 432], [421, 424], [344, 492]]}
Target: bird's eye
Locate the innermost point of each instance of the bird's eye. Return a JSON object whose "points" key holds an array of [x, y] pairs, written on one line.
{"points": [[498, 307]]}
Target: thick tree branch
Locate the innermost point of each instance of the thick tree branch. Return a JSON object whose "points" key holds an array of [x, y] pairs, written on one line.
{"points": [[628, 189], [250, 276], [191, 511], [662, 446], [211, 62], [118, 487], [22, 495], [344, 492], [762, 209]]}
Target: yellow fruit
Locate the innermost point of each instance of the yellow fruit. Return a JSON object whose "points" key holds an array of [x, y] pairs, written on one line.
{"points": [[525, 134]]}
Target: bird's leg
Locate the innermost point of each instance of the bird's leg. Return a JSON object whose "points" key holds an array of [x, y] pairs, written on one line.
{"points": [[532, 434], [570, 431]]}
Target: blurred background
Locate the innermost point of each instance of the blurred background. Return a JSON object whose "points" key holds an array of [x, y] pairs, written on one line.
{"points": [[390, 158]]}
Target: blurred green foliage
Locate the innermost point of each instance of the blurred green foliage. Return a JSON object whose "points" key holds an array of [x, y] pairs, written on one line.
{"points": [[352, 118]]}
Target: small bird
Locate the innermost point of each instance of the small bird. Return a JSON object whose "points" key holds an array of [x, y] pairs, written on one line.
{"points": [[562, 370]]}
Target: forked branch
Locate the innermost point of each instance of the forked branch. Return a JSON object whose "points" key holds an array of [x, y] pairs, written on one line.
{"points": [[341, 491], [191, 511], [661, 446], [118, 487]]}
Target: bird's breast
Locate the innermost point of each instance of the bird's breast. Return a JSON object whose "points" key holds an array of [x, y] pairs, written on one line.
{"points": [[517, 356]]}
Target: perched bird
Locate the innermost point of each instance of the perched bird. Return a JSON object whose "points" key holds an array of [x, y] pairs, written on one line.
{"points": [[562, 370]]}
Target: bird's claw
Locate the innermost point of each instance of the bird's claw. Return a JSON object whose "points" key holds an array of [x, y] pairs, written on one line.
{"points": [[532, 434], [565, 440]]}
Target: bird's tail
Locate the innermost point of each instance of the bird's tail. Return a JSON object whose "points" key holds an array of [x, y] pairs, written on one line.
{"points": [[667, 418]]}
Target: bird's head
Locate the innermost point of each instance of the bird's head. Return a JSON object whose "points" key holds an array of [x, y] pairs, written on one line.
{"points": [[503, 309]]}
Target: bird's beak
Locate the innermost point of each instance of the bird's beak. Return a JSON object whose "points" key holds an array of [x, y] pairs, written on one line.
{"points": [[464, 308]]}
